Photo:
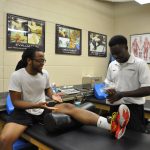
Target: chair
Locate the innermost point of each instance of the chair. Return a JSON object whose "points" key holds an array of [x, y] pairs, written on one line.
{"points": [[20, 143], [9, 105]]}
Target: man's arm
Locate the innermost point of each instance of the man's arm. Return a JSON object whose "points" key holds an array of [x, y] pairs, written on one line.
{"points": [[50, 94], [116, 95], [22, 104], [141, 92]]}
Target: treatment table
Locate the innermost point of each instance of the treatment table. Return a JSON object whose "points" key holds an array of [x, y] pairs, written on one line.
{"points": [[83, 138], [101, 104]]}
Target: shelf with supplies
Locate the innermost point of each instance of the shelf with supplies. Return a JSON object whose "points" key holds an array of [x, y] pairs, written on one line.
{"points": [[75, 92]]}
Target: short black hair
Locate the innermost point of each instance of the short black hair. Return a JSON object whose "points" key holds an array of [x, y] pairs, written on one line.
{"points": [[118, 39]]}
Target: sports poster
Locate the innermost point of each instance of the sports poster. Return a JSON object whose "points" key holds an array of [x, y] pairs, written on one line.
{"points": [[23, 32], [68, 40], [97, 44]]}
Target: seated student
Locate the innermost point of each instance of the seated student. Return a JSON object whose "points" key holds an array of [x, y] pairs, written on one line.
{"points": [[28, 86]]}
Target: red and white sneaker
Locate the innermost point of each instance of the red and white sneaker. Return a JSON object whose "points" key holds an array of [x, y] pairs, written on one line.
{"points": [[114, 123], [124, 115], [119, 121]]}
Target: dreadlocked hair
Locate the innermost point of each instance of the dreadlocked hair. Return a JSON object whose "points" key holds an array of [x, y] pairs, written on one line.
{"points": [[28, 53]]}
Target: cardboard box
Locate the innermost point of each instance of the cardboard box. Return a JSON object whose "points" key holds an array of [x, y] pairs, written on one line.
{"points": [[88, 82]]}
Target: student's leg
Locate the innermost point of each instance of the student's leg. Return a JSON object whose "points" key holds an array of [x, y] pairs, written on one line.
{"points": [[17, 122], [117, 125], [10, 133], [90, 118], [83, 116]]}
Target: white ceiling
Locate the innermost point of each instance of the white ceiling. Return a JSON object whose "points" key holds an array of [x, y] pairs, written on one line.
{"points": [[118, 0]]}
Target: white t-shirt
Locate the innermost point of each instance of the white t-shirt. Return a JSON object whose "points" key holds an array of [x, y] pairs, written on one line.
{"points": [[32, 87], [129, 76]]}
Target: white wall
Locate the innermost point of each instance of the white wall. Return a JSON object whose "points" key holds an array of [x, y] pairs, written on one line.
{"points": [[132, 18], [87, 15]]}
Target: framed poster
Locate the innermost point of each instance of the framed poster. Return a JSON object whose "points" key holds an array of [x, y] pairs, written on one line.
{"points": [[68, 40], [140, 46], [23, 32], [97, 44]]}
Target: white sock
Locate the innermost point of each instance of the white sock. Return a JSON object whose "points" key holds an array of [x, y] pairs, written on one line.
{"points": [[103, 123]]}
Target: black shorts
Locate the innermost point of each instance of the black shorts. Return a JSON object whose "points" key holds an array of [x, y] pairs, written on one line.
{"points": [[137, 121], [20, 116]]}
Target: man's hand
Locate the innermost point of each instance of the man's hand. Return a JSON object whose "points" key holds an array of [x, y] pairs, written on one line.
{"points": [[110, 92], [57, 98], [115, 97], [43, 105]]}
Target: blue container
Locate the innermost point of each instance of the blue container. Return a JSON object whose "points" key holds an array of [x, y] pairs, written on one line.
{"points": [[99, 91], [21, 144], [9, 105]]}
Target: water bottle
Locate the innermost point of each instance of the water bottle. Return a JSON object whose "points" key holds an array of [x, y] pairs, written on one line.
{"points": [[53, 86]]}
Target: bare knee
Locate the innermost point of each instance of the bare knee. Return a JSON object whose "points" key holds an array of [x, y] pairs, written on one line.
{"points": [[5, 140], [66, 108]]}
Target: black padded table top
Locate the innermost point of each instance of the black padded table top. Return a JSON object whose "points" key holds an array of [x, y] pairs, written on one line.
{"points": [[87, 138], [94, 100], [90, 138]]}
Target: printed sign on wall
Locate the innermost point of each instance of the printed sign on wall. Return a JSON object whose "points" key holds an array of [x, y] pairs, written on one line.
{"points": [[23, 32]]}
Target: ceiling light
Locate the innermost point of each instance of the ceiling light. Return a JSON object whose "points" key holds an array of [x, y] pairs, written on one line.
{"points": [[143, 1]]}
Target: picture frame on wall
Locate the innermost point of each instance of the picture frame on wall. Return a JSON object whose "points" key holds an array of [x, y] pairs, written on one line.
{"points": [[97, 44], [140, 46], [68, 40], [23, 32]]}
